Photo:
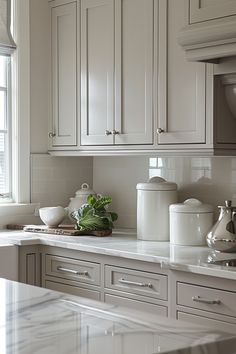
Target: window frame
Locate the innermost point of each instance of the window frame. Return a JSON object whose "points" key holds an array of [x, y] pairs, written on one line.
{"points": [[7, 196], [21, 102]]}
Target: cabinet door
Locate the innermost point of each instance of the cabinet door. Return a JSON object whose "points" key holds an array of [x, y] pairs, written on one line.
{"points": [[211, 9], [134, 31], [97, 69], [73, 290], [64, 74], [135, 304], [206, 321], [181, 104]]}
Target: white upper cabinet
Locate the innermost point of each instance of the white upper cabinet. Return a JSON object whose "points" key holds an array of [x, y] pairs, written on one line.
{"points": [[117, 72], [121, 83], [181, 93], [134, 33], [97, 72], [211, 30], [64, 100]]}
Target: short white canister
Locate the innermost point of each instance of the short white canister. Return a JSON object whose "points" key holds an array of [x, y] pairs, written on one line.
{"points": [[190, 222], [153, 201]]}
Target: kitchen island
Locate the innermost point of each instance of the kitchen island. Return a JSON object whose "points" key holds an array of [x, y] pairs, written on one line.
{"points": [[41, 321]]}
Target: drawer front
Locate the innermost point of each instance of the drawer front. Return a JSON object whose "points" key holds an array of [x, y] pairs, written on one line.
{"points": [[208, 299], [136, 282], [217, 325], [73, 269], [73, 290], [137, 305]]}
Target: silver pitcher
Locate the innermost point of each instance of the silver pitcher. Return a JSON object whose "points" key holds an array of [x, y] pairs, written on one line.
{"points": [[222, 236]]}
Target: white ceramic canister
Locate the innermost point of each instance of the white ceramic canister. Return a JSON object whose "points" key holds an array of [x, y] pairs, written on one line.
{"points": [[189, 222], [153, 200]]}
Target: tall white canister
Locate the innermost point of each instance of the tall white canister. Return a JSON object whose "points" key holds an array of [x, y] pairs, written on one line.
{"points": [[153, 200]]}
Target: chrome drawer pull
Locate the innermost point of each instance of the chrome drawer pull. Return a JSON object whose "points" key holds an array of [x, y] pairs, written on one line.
{"points": [[128, 282], [72, 271], [206, 301]]}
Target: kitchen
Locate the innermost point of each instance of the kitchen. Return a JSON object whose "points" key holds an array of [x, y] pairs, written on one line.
{"points": [[185, 154]]}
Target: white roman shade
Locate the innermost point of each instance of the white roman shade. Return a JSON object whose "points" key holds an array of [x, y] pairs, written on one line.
{"points": [[7, 44]]}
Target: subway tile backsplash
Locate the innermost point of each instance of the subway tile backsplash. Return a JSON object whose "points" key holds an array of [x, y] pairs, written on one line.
{"points": [[210, 179], [55, 179]]}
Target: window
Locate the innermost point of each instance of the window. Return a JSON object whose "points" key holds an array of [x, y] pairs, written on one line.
{"points": [[5, 131]]}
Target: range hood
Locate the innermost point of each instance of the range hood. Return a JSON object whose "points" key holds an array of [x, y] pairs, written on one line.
{"points": [[211, 30]]}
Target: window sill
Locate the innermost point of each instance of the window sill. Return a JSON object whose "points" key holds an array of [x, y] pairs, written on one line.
{"points": [[14, 209]]}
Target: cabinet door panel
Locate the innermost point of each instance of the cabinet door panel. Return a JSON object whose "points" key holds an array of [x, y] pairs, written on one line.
{"points": [[204, 10], [73, 290], [181, 112], [134, 71], [193, 296], [135, 304], [97, 65], [72, 269], [137, 282], [64, 94], [217, 325]]}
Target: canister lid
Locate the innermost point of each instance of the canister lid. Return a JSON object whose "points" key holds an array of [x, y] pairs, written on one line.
{"points": [[191, 205], [157, 184]]}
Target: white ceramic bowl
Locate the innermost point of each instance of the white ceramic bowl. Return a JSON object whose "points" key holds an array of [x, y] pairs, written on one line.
{"points": [[52, 216]]}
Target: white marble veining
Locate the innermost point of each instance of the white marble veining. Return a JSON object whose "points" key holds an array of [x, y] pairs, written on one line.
{"points": [[40, 321], [125, 245]]}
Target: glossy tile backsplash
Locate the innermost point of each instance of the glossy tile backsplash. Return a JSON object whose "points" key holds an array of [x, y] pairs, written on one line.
{"points": [[212, 180], [55, 179]]}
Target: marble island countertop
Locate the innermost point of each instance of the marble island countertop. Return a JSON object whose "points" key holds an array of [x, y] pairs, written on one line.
{"points": [[125, 245], [40, 321]]}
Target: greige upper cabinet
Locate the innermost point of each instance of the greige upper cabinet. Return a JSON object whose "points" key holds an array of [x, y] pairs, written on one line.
{"points": [[117, 72], [64, 61], [211, 30], [206, 10], [181, 91]]}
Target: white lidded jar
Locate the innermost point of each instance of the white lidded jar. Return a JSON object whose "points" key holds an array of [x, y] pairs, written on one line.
{"points": [[153, 200], [190, 222]]}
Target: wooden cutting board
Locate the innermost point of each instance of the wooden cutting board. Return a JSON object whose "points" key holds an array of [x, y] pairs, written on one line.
{"points": [[64, 230]]}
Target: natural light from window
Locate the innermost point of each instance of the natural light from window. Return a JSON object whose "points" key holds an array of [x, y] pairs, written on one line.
{"points": [[4, 127]]}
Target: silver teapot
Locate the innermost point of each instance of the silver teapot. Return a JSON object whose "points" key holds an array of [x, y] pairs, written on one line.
{"points": [[222, 237]]}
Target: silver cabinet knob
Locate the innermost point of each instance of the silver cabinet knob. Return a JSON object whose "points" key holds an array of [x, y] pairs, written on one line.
{"points": [[51, 135], [160, 130], [115, 132], [108, 132]]}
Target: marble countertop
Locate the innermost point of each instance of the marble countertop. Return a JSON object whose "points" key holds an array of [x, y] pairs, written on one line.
{"points": [[125, 245], [41, 321]]}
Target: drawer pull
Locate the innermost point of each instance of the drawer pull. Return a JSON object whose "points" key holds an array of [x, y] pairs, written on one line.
{"points": [[206, 301], [128, 282], [62, 269]]}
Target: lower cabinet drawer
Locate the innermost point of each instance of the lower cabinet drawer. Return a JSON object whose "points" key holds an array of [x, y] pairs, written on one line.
{"points": [[136, 282], [208, 299], [138, 305], [73, 269], [215, 324], [73, 290]]}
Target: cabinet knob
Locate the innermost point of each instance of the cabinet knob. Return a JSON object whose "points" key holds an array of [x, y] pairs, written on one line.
{"points": [[51, 135], [160, 130], [108, 132], [115, 132]]}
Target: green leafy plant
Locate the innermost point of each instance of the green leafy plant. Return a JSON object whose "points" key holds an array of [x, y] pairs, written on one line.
{"points": [[94, 214]]}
